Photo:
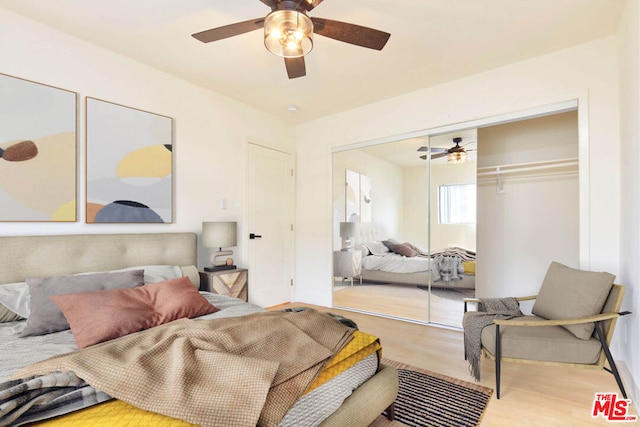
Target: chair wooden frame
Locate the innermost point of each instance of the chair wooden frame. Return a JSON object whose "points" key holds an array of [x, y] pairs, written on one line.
{"points": [[604, 327]]}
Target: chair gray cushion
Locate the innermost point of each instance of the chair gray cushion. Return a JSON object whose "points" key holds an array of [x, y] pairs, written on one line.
{"points": [[568, 293], [545, 343]]}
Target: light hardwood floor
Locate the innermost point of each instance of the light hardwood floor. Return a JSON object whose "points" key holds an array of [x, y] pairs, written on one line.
{"points": [[531, 395], [442, 306]]}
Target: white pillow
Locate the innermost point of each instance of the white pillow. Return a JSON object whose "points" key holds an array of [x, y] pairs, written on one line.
{"points": [[191, 271], [15, 296], [377, 248]]}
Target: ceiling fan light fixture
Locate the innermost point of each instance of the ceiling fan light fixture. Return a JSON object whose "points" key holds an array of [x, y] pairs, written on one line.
{"points": [[457, 157], [288, 33]]}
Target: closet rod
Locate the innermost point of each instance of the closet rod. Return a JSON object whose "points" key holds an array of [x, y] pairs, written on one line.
{"points": [[526, 167]]}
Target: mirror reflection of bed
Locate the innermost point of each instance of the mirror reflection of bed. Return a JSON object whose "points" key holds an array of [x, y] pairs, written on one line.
{"points": [[397, 276], [393, 190]]}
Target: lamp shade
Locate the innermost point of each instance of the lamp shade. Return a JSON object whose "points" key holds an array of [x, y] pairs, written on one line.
{"points": [[347, 229], [288, 33], [219, 234], [457, 157]]}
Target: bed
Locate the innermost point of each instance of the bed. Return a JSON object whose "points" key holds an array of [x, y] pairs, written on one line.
{"points": [[222, 374], [391, 261]]}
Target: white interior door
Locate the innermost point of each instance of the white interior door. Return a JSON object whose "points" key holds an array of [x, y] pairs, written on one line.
{"points": [[270, 204]]}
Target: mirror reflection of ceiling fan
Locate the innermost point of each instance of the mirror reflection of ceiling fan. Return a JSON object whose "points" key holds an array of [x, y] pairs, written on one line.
{"points": [[288, 32], [455, 154]]}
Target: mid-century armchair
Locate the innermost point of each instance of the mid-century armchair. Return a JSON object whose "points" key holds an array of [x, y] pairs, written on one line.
{"points": [[572, 323]]}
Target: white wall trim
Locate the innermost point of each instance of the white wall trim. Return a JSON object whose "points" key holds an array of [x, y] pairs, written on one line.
{"points": [[529, 113]]}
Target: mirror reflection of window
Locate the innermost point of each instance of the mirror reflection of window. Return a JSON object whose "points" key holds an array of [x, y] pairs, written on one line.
{"points": [[457, 204]]}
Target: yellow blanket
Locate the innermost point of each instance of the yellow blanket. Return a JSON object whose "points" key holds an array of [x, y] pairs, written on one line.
{"points": [[469, 267], [118, 413]]}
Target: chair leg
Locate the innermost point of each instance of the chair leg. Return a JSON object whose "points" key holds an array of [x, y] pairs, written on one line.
{"points": [[391, 412], [612, 363], [497, 356]]}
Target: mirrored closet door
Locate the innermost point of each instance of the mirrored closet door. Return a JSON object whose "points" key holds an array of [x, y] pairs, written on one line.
{"points": [[513, 198], [385, 202]]}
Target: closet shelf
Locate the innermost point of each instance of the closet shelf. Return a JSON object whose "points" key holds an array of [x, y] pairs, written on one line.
{"points": [[570, 163]]}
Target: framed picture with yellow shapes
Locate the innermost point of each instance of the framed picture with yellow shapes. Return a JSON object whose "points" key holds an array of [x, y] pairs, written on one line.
{"points": [[38, 151], [129, 164]]}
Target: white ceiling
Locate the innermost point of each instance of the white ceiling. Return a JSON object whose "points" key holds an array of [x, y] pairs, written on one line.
{"points": [[432, 41]]}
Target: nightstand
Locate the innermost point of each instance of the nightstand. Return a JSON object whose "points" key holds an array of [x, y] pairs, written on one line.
{"points": [[347, 265], [232, 283]]}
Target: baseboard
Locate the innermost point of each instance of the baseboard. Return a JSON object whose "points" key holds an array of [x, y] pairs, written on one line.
{"points": [[630, 385]]}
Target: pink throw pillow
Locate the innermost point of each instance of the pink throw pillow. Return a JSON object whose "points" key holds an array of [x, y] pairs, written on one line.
{"points": [[405, 249], [104, 315]]}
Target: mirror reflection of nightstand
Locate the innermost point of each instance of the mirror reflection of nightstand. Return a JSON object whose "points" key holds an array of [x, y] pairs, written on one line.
{"points": [[347, 265]]}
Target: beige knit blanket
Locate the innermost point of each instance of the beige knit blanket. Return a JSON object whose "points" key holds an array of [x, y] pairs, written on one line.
{"points": [[473, 322], [240, 371]]}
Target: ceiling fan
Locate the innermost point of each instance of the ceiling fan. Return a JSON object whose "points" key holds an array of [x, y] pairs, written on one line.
{"points": [[288, 32], [456, 154]]}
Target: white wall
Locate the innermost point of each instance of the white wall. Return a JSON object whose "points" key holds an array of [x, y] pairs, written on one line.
{"points": [[210, 131], [386, 191], [446, 235], [628, 329], [533, 140], [535, 219], [416, 207], [419, 220]]}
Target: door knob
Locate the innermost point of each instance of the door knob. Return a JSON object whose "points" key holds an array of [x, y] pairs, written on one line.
{"points": [[254, 236]]}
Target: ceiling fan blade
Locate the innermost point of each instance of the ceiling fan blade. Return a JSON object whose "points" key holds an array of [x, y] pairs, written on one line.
{"points": [[438, 155], [230, 30], [350, 33], [295, 67], [310, 4], [270, 3], [433, 149], [423, 157]]}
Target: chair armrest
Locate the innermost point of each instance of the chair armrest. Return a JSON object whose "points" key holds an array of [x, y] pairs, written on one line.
{"points": [[527, 298], [556, 322], [476, 300]]}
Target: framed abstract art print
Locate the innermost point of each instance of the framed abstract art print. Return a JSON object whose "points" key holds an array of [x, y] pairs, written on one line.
{"points": [[129, 164], [38, 146]]}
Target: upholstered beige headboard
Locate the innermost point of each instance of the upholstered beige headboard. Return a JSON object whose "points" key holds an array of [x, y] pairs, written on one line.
{"points": [[23, 257], [367, 232]]}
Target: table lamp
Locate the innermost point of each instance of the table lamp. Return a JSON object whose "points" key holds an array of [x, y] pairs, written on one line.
{"points": [[220, 235], [347, 231]]}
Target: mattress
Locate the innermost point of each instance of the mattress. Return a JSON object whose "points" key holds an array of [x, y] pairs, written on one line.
{"points": [[396, 263], [351, 367], [420, 278]]}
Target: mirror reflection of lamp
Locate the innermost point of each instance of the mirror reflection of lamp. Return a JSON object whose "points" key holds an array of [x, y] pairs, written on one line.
{"points": [[220, 235], [347, 231]]}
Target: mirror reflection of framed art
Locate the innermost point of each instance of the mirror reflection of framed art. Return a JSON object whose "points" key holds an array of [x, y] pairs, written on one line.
{"points": [[357, 197]]}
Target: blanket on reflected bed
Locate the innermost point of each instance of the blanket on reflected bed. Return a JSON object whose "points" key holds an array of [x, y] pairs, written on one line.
{"points": [[242, 379]]}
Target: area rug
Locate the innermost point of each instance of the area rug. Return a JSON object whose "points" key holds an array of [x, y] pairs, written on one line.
{"points": [[428, 399]]}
